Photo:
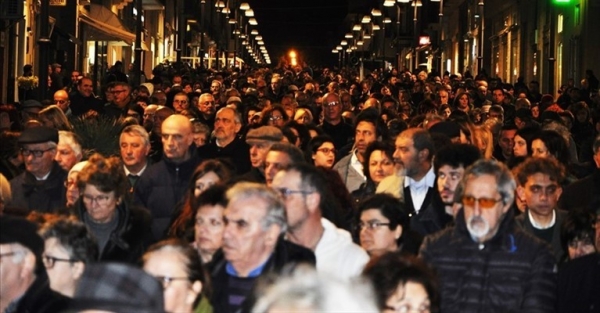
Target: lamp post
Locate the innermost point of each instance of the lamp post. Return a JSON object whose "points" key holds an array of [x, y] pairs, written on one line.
{"points": [[480, 6], [137, 64], [44, 52]]}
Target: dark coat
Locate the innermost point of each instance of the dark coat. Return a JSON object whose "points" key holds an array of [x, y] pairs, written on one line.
{"points": [[583, 193], [161, 187], [237, 153], [525, 223], [285, 253], [578, 285], [131, 237], [46, 196], [512, 272], [342, 133], [81, 105], [39, 298]]}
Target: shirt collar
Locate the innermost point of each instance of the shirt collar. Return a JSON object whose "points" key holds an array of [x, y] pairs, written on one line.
{"points": [[427, 181], [253, 273], [127, 171], [538, 226]]}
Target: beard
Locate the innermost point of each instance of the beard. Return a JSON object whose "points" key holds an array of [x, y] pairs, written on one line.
{"points": [[478, 227]]}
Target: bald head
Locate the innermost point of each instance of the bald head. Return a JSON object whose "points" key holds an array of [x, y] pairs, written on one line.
{"points": [[176, 134], [61, 98]]}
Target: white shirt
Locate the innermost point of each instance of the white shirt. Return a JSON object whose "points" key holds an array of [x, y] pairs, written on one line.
{"points": [[418, 189], [127, 171], [357, 165], [337, 255], [538, 226]]}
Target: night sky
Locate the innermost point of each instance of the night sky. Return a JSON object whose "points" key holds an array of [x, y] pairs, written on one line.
{"points": [[311, 27]]}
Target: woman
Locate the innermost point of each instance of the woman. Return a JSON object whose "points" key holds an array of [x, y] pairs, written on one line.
{"points": [[54, 117], [523, 138], [208, 173], [378, 164], [73, 191], [68, 150], [303, 116], [550, 144], [177, 266], [484, 140], [383, 226], [462, 102], [275, 116], [207, 224], [444, 111], [122, 231], [577, 234], [321, 151], [402, 284]]}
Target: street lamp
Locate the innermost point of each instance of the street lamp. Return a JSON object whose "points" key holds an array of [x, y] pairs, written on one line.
{"points": [[249, 13], [244, 6], [252, 21]]}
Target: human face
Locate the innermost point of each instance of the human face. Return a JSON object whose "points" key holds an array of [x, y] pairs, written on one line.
{"points": [[100, 206], [406, 155], [380, 239], [180, 103], [85, 87], [61, 99], [133, 151], [540, 193], [274, 162], [498, 96], [75, 76], [276, 119], [72, 190], [63, 274], [580, 247], [65, 156], [226, 126], [179, 293], [535, 112], [443, 97], [207, 104], [176, 139], [10, 271], [364, 134], [380, 166], [539, 150], [215, 88], [121, 95], [38, 166], [463, 101], [208, 230], [507, 141], [258, 150], [296, 204], [482, 223], [199, 139], [520, 148], [325, 155], [412, 297], [332, 108], [205, 181], [244, 239], [448, 178]]}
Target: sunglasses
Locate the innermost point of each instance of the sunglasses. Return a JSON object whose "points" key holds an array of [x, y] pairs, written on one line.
{"points": [[484, 203]]}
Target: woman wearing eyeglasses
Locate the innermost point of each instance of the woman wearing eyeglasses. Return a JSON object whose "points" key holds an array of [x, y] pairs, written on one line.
{"points": [[383, 226], [321, 151], [178, 267], [122, 231], [275, 116]]}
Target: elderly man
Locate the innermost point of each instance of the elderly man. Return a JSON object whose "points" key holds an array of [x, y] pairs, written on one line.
{"points": [[333, 123], [252, 245], [206, 109], [181, 102], [68, 150], [305, 193], [61, 99], [41, 186], [24, 285], [164, 184], [486, 263], [134, 144], [260, 141], [83, 102], [226, 143]]}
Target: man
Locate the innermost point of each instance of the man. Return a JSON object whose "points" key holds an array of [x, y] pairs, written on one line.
{"points": [[252, 246], [41, 186], [279, 157], [485, 263], [275, 92], [68, 150], [206, 109], [333, 124], [584, 192], [83, 102], [227, 145], [539, 187], [450, 163], [414, 151], [305, 192], [117, 108], [24, 285], [368, 129], [74, 81], [503, 150], [56, 77], [181, 102], [443, 97], [260, 141], [134, 144], [61, 99], [164, 184]]}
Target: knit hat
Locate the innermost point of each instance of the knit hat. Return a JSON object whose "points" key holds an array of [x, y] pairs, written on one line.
{"points": [[264, 133]]}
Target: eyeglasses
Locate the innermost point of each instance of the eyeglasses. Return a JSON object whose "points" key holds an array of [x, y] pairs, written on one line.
{"points": [[326, 150], [50, 260], [285, 192], [100, 200], [333, 104], [370, 225], [166, 280], [275, 118], [36, 153], [118, 91], [484, 203], [60, 101]]}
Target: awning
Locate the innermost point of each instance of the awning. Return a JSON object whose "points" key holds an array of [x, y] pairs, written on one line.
{"points": [[105, 25]]}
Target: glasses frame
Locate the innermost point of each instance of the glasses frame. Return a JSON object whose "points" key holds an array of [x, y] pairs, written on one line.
{"points": [[50, 261], [285, 192], [371, 225], [97, 199], [474, 200], [36, 153]]}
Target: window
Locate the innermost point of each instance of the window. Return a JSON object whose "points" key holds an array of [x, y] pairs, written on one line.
{"points": [[559, 23]]}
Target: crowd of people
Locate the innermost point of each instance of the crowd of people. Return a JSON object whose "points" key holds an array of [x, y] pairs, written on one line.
{"points": [[299, 189]]}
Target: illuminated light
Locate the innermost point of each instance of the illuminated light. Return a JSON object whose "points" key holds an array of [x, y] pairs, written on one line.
{"points": [[226, 11], [356, 27], [360, 43], [376, 27], [292, 54], [367, 36], [376, 12], [258, 38], [424, 40], [232, 21], [249, 13], [339, 48], [403, 1], [417, 3], [366, 19], [334, 51], [254, 32], [387, 20], [344, 43], [252, 21], [260, 43], [348, 35], [388, 3], [244, 6]]}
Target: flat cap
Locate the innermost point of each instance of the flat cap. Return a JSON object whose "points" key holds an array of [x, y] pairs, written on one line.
{"points": [[27, 104], [264, 133], [38, 134]]}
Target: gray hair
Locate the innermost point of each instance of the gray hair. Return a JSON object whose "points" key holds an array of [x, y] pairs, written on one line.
{"points": [[504, 179], [137, 130], [70, 139], [246, 191], [236, 115]]}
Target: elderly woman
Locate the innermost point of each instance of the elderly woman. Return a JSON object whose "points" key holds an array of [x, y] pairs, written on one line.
{"points": [[177, 266], [378, 164], [122, 231], [383, 226], [69, 247], [68, 150], [73, 191]]}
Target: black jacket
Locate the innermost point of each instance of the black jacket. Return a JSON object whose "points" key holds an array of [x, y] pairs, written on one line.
{"points": [[512, 272], [131, 237], [46, 196], [39, 298], [582, 193], [237, 153], [557, 249]]}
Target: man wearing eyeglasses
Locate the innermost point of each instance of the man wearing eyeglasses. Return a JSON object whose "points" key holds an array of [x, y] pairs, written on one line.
{"points": [[121, 97], [310, 224], [333, 123], [24, 284], [41, 186], [486, 263]]}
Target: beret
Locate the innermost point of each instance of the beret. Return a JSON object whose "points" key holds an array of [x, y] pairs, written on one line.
{"points": [[38, 134], [264, 133]]}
